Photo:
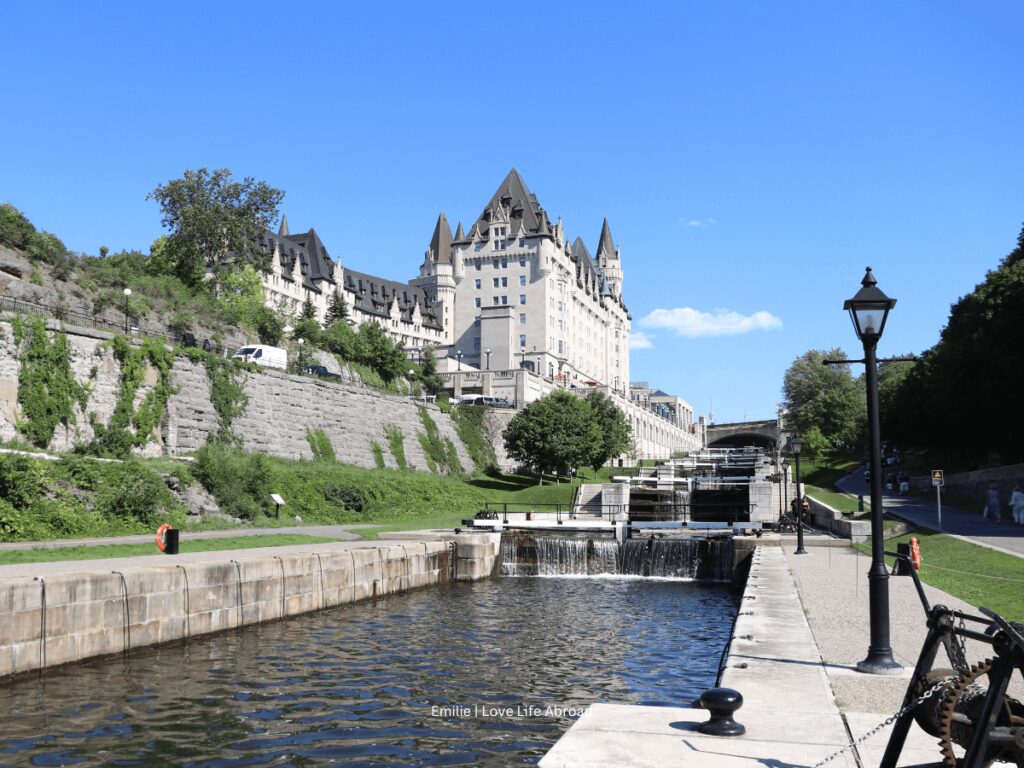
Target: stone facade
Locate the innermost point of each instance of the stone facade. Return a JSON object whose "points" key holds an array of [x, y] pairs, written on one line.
{"points": [[63, 618], [281, 408]]}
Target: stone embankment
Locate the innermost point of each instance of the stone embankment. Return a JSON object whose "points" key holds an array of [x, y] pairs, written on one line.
{"points": [[281, 408], [59, 617]]}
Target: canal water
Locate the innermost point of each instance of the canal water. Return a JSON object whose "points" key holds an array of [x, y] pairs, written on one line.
{"points": [[486, 673]]}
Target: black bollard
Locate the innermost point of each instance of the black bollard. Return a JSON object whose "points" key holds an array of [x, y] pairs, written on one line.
{"points": [[171, 537], [721, 703]]}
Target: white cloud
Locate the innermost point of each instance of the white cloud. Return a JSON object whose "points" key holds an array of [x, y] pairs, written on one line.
{"points": [[640, 340], [699, 223], [687, 321]]}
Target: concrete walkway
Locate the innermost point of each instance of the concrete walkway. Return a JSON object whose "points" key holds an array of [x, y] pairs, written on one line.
{"points": [[341, 532], [802, 627], [1004, 537]]}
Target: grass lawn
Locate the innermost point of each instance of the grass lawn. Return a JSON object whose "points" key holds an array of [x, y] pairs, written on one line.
{"points": [[52, 554], [844, 502], [977, 575]]}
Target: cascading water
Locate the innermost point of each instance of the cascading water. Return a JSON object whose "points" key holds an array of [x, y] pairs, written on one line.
{"points": [[678, 557]]}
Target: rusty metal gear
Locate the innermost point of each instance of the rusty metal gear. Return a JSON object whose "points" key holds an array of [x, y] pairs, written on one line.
{"points": [[955, 726]]}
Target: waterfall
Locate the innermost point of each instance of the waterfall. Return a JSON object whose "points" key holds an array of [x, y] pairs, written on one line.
{"points": [[526, 554]]}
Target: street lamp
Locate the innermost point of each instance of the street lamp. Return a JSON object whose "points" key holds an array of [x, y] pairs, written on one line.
{"points": [[488, 353], [458, 356], [127, 295], [785, 482], [301, 342], [796, 444], [868, 310]]}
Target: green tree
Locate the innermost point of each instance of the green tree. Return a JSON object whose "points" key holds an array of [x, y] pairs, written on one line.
{"points": [[337, 309], [308, 311], [616, 434], [268, 325], [963, 395], [382, 354], [16, 231], [555, 433], [214, 222], [432, 382], [825, 396], [242, 295]]}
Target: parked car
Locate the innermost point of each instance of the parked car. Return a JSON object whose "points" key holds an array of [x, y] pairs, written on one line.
{"points": [[321, 371], [261, 354], [490, 402]]}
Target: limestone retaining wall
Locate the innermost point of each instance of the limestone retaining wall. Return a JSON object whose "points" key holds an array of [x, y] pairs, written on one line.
{"points": [[280, 410], [62, 618]]}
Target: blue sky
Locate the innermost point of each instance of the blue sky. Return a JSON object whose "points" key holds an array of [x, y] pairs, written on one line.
{"points": [[751, 157]]}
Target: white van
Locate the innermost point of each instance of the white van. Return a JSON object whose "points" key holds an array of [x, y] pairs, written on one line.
{"points": [[260, 354]]}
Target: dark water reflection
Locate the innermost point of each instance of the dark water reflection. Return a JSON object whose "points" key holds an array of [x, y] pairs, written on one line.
{"points": [[358, 685]]}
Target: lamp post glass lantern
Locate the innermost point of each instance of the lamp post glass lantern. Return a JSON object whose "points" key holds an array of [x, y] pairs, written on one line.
{"points": [[458, 356], [796, 444], [127, 295], [869, 309], [488, 353]]}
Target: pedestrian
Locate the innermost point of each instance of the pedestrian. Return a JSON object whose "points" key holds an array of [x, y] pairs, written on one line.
{"points": [[993, 507], [1017, 502]]}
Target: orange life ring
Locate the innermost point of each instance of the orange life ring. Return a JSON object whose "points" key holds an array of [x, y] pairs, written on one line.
{"points": [[161, 536], [915, 553]]}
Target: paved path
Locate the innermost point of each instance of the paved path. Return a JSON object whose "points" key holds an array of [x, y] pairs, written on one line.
{"points": [[342, 532], [1005, 536]]}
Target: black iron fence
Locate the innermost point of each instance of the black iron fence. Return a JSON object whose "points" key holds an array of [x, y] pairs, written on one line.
{"points": [[660, 512]]}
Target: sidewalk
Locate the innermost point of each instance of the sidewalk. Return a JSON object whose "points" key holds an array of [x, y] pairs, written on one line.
{"points": [[341, 532], [1004, 537]]}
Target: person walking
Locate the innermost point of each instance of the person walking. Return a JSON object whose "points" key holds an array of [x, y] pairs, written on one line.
{"points": [[1017, 502], [993, 507]]}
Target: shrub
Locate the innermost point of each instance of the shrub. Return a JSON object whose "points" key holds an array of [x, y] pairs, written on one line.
{"points": [[239, 481], [320, 445], [396, 442], [469, 423], [15, 230], [47, 248], [378, 454]]}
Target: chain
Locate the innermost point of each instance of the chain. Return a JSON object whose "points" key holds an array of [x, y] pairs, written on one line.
{"points": [[888, 721]]}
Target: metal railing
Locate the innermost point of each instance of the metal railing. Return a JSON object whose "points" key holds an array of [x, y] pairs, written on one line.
{"points": [[660, 512]]}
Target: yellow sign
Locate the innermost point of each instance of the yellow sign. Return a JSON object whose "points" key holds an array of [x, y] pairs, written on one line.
{"points": [[937, 480]]}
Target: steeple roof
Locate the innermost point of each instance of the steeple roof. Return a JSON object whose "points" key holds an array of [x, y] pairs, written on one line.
{"points": [[459, 234], [283, 231], [606, 245], [514, 201], [440, 249]]}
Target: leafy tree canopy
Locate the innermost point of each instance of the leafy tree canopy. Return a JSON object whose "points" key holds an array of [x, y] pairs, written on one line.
{"points": [[825, 396], [616, 434], [213, 222], [555, 433]]}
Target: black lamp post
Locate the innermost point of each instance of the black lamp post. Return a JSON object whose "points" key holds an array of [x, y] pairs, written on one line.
{"points": [[127, 295], [488, 352], [458, 356], [796, 444], [868, 311], [785, 482]]}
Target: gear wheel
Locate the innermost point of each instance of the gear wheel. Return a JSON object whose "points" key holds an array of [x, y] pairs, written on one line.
{"points": [[955, 726]]}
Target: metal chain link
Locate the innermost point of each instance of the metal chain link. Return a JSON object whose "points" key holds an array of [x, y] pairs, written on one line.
{"points": [[888, 721], [958, 649]]}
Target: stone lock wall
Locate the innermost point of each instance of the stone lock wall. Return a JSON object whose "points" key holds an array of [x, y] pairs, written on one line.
{"points": [[280, 410], [58, 619]]}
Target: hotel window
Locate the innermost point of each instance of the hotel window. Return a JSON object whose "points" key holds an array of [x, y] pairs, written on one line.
{"points": [[504, 299], [504, 282], [477, 282], [522, 279], [522, 340], [476, 343], [477, 302], [495, 300], [477, 265], [495, 281], [522, 298], [559, 347], [476, 321], [522, 318], [504, 262], [522, 259]]}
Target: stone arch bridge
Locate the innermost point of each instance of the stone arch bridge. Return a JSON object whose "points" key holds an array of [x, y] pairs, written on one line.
{"points": [[764, 434]]}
